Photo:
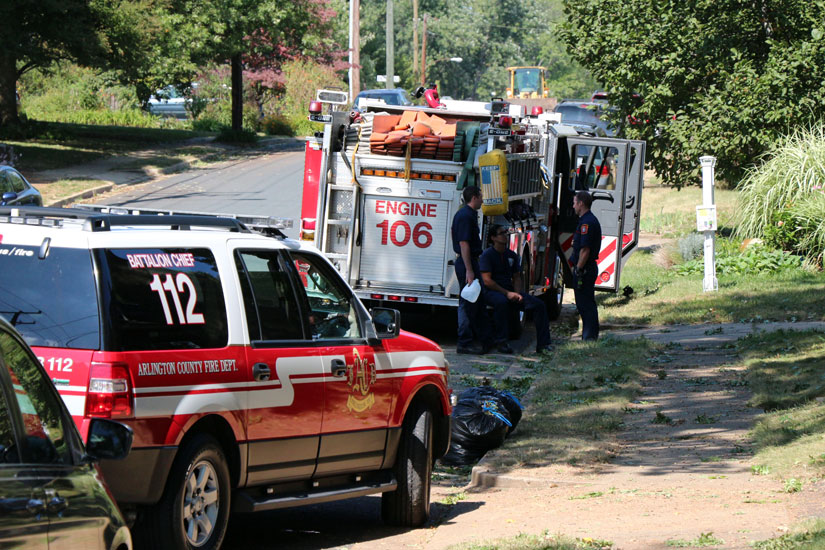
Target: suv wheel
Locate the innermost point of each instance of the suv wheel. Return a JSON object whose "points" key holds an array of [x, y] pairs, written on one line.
{"points": [[195, 505], [409, 505]]}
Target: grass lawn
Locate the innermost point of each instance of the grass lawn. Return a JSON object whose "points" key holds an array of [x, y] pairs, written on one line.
{"points": [[57, 145], [577, 401], [660, 296], [671, 212], [60, 189]]}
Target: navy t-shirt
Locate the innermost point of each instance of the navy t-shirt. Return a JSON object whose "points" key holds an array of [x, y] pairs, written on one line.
{"points": [[501, 266], [465, 228], [588, 235]]}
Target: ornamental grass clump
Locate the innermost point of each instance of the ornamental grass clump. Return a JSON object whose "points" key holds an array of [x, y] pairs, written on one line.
{"points": [[783, 200]]}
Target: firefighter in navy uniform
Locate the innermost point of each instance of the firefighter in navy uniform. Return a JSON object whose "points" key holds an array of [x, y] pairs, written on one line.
{"points": [[467, 245], [586, 244], [501, 271]]}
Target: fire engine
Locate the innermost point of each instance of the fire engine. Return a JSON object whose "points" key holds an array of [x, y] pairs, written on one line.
{"points": [[381, 188]]}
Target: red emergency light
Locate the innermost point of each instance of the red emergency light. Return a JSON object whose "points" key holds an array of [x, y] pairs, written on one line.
{"points": [[393, 298], [308, 223], [505, 121], [410, 299], [315, 107], [376, 296], [537, 110]]}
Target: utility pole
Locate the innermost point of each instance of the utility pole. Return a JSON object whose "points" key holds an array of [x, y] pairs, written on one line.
{"points": [[424, 52], [390, 48], [415, 36], [354, 48]]}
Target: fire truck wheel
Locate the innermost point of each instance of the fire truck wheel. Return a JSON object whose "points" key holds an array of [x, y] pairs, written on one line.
{"points": [[409, 505], [194, 511]]}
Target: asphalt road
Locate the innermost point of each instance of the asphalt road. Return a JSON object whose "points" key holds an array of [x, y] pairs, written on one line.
{"points": [[269, 185]]}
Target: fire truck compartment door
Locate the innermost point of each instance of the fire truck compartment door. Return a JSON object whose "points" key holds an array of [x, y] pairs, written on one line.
{"points": [[404, 240], [601, 167], [633, 198]]}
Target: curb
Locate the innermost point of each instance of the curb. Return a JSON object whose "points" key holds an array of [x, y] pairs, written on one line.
{"points": [[483, 478], [150, 174]]}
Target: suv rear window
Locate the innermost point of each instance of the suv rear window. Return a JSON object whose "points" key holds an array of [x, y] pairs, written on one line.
{"points": [[52, 302], [161, 299]]}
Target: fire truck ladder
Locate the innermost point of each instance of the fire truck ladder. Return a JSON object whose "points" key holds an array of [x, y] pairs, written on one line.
{"points": [[340, 220]]}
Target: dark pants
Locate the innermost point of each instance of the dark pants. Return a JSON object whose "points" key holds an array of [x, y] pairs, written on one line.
{"points": [[471, 318], [529, 304], [586, 304]]}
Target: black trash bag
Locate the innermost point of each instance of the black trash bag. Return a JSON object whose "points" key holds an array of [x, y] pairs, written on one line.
{"points": [[507, 400], [481, 421]]}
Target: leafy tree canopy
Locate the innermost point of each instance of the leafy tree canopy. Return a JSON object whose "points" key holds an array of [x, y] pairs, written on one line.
{"points": [[489, 36], [255, 36], [100, 33], [717, 77]]}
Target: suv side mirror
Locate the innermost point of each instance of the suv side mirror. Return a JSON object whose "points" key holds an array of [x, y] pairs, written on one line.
{"points": [[8, 196], [387, 322], [108, 439]]}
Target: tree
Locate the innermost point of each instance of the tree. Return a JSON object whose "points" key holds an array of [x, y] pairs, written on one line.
{"points": [[718, 77], [488, 35], [255, 34], [36, 33]]}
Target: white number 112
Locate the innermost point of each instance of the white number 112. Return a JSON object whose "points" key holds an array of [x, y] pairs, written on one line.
{"points": [[175, 288]]}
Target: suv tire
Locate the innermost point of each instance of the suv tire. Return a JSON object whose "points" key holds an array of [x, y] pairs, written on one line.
{"points": [[409, 505], [194, 509]]}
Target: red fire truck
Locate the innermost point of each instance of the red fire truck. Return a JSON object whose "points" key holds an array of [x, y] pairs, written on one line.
{"points": [[381, 188]]}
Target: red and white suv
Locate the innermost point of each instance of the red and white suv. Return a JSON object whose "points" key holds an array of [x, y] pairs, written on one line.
{"points": [[252, 376]]}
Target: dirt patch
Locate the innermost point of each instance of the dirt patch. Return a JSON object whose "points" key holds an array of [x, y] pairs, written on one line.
{"points": [[683, 469]]}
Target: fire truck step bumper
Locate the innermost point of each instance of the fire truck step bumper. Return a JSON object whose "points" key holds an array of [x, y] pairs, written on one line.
{"points": [[258, 499]]}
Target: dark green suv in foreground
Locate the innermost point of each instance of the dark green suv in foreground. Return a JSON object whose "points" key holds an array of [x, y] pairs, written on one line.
{"points": [[52, 495]]}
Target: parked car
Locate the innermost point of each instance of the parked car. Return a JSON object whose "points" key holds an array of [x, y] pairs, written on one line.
{"points": [[593, 113], [52, 494], [168, 101], [395, 96], [16, 190], [252, 375]]}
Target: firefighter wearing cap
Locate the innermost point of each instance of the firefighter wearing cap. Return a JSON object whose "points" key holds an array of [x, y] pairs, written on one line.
{"points": [[467, 245], [586, 244]]}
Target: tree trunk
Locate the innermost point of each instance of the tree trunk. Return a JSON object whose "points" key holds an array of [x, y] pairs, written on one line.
{"points": [[237, 93], [8, 91]]}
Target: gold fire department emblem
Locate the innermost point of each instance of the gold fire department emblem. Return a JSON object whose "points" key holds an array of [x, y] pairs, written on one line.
{"points": [[360, 377]]}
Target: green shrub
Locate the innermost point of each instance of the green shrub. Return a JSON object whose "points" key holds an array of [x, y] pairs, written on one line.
{"points": [[691, 246], [756, 259], [62, 88], [782, 200], [276, 125], [218, 115], [783, 231], [301, 80]]}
